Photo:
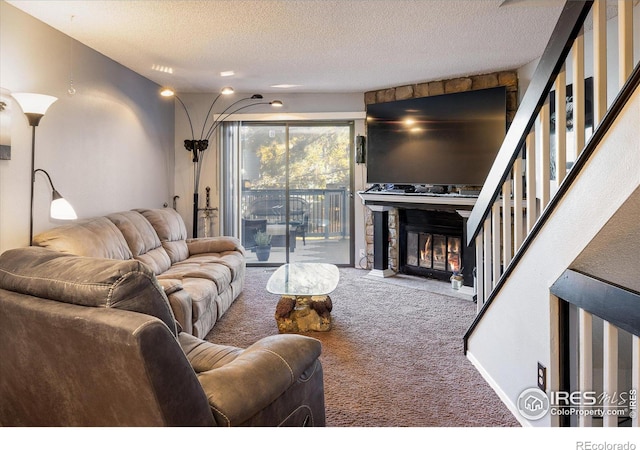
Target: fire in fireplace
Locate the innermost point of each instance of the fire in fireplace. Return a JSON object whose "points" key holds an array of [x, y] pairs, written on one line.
{"points": [[434, 251], [431, 244]]}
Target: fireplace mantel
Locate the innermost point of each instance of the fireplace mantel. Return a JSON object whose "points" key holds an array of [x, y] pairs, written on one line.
{"points": [[415, 199]]}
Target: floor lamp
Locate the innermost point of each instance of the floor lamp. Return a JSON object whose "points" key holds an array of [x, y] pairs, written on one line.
{"points": [[34, 106], [198, 146]]}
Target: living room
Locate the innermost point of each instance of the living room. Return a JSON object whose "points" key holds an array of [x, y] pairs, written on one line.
{"points": [[110, 129]]}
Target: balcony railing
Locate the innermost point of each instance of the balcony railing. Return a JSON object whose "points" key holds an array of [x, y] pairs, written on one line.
{"points": [[327, 209]]}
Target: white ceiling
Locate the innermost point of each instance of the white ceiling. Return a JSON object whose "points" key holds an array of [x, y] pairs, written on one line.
{"points": [[317, 45]]}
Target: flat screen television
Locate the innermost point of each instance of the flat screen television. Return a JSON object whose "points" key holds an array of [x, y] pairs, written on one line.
{"points": [[449, 139]]}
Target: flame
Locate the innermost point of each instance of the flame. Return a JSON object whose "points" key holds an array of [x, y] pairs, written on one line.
{"points": [[427, 250]]}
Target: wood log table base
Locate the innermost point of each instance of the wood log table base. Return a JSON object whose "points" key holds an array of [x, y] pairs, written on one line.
{"points": [[296, 313]]}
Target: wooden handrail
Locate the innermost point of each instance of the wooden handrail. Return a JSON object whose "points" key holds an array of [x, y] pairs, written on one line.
{"points": [[615, 304], [565, 32]]}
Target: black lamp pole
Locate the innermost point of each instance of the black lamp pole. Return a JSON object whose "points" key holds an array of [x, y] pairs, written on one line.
{"points": [[33, 179], [34, 120]]}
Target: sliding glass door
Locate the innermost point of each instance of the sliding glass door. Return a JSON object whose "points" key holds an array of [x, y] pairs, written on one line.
{"points": [[295, 191]]}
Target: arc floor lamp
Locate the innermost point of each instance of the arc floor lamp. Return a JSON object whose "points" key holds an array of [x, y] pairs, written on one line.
{"points": [[198, 146], [34, 106]]}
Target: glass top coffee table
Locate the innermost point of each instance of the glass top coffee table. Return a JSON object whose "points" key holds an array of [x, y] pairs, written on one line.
{"points": [[304, 279], [304, 303]]}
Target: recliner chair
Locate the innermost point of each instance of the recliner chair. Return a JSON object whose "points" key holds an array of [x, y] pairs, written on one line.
{"points": [[93, 342]]}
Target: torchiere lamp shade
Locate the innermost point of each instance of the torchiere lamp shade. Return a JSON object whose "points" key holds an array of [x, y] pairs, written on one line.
{"points": [[34, 106]]}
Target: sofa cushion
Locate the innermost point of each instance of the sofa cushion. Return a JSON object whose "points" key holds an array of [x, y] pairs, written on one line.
{"points": [[233, 260], [97, 237], [205, 355], [218, 273], [128, 285], [171, 230], [203, 294], [219, 244], [142, 240], [276, 363]]}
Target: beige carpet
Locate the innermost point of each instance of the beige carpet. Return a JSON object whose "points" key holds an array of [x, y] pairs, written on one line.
{"points": [[393, 357]]}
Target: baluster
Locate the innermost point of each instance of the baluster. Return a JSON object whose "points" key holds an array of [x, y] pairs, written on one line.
{"points": [[561, 125], [585, 358], [495, 243], [479, 279], [518, 212], [545, 163], [578, 94], [610, 368], [599, 60], [532, 207], [506, 222], [625, 40], [488, 264]]}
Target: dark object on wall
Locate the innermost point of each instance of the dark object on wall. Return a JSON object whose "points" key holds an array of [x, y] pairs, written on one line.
{"points": [[5, 152], [588, 106], [360, 149], [5, 126], [449, 139]]}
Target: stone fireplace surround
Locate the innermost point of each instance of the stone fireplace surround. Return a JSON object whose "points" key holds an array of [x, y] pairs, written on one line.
{"points": [[508, 79]]}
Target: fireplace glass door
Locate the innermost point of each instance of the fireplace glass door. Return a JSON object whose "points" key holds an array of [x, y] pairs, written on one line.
{"points": [[434, 251]]}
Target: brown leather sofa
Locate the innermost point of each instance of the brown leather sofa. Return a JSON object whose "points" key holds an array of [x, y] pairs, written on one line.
{"points": [[89, 341], [201, 277]]}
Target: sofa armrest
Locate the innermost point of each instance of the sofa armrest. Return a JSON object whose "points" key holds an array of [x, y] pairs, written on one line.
{"points": [[257, 377], [216, 244], [181, 305]]}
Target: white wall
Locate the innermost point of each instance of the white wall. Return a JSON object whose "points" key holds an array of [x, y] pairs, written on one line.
{"points": [[107, 148], [296, 107]]}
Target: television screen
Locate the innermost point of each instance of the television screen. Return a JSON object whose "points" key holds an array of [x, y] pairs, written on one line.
{"points": [[449, 139]]}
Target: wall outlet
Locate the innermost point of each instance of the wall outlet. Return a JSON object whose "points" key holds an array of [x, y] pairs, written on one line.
{"points": [[362, 253], [542, 377]]}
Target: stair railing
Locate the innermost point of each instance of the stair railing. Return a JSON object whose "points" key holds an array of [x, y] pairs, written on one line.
{"points": [[531, 172]]}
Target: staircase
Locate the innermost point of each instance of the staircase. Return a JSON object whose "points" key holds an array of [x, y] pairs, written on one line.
{"points": [[556, 231]]}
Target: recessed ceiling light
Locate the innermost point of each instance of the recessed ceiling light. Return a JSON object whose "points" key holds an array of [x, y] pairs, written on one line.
{"points": [[285, 86], [227, 73], [164, 69]]}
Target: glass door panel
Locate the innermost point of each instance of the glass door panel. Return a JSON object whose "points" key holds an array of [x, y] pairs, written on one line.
{"points": [[296, 188], [263, 184]]}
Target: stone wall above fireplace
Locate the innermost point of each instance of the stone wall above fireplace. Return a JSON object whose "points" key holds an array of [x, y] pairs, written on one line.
{"points": [[508, 79]]}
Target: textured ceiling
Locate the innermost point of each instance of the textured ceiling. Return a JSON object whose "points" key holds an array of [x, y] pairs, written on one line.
{"points": [[317, 45]]}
